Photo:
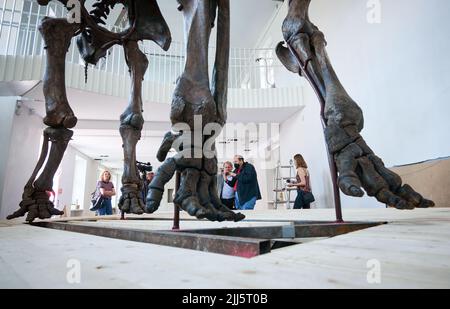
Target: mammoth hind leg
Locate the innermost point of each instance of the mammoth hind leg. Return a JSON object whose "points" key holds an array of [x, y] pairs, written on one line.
{"points": [[131, 123]]}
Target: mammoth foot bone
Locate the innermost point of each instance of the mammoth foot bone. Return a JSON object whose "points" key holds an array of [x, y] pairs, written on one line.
{"points": [[37, 204], [197, 194], [131, 200], [357, 165]]}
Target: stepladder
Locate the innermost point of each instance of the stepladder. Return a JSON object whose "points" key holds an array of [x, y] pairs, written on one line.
{"points": [[284, 174]]}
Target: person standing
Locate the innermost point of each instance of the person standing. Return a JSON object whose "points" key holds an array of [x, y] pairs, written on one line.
{"points": [[304, 194], [225, 191], [107, 191], [148, 179], [245, 183]]}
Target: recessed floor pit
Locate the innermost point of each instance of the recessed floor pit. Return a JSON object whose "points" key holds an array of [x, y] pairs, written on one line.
{"points": [[245, 242]]}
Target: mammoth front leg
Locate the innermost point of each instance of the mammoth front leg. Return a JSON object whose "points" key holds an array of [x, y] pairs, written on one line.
{"points": [[57, 35], [194, 106], [131, 123], [357, 164], [35, 199]]}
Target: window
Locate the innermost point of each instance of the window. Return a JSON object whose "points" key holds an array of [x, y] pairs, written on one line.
{"points": [[266, 67], [114, 180], [56, 190]]}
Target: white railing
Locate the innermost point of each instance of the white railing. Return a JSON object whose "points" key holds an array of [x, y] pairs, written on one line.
{"points": [[19, 36]]}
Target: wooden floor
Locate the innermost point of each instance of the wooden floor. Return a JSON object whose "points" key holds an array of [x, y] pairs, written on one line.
{"points": [[412, 251]]}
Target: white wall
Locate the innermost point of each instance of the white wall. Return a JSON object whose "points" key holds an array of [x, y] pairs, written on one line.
{"points": [[23, 154], [399, 73], [7, 108], [302, 133], [67, 167], [21, 137]]}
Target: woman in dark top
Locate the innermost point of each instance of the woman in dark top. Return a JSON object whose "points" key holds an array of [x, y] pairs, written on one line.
{"points": [[107, 191], [302, 184]]}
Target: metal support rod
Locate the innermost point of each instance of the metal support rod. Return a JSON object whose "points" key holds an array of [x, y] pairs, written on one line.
{"points": [[176, 208], [331, 162]]}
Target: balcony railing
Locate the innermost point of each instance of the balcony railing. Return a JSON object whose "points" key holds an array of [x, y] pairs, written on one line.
{"points": [[251, 70]]}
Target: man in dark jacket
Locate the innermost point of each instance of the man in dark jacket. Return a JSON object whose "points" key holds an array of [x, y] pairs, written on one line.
{"points": [[245, 184]]}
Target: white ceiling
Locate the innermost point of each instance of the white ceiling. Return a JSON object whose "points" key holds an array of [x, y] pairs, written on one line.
{"points": [[93, 106]]}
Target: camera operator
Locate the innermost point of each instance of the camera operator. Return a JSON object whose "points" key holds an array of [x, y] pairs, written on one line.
{"points": [[146, 176], [148, 179]]}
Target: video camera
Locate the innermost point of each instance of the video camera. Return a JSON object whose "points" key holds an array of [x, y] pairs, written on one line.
{"points": [[144, 167]]}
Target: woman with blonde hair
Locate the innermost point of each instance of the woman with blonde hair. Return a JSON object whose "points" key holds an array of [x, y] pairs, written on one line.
{"points": [[304, 194], [107, 191]]}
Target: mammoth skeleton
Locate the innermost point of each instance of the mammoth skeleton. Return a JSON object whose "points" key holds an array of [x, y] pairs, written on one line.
{"points": [[303, 53]]}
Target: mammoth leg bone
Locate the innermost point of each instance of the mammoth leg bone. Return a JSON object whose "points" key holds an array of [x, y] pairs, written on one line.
{"points": [[186, 195], [131, 123], [57, 34], [35, 199], [194, 100], [358, 167]]}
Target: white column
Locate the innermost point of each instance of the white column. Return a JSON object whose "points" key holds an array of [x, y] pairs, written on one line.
{"points": [[7, 108], [21, 134]]}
